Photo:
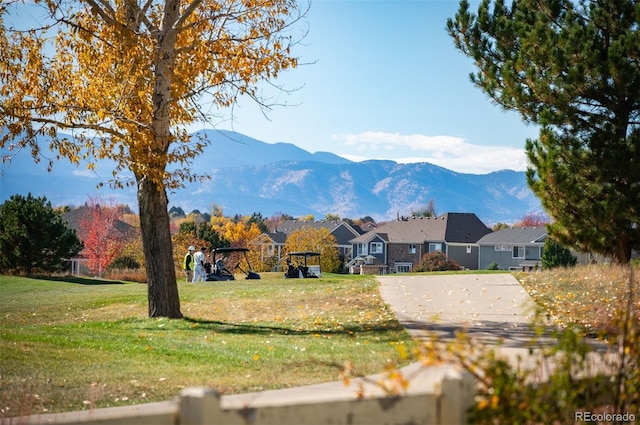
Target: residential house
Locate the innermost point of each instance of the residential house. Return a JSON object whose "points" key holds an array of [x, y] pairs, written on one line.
{"points": [[398, 246], [272, 244], [513, 248], [74, 218], [269, 245]]}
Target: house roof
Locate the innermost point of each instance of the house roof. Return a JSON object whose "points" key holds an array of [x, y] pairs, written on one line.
{"points": [[411, 230], [464, 228], [277, 237], [449, 227], [516, 236], [289, 226], [74, 220]]}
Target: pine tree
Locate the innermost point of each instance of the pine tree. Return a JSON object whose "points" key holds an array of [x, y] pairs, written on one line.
{"points": [[188, 228], [572, 69], [34, 237], [259, 221], [556, 255], [208, 233]]}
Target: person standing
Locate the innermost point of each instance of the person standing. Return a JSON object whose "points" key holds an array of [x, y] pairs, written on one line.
{"points": [[198, 259], [188, 264]]}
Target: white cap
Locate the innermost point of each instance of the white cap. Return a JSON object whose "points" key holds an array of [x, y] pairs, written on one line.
{"points": [[192, 248]]}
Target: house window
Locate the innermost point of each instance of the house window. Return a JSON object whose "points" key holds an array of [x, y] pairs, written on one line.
{"points": [[518, 251], [376, 247], [403, 267], [435, 247], [348, 252], [468, 249], [361, 249], [412, 248]]}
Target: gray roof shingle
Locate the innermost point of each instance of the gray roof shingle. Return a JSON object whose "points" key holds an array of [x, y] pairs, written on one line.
{"points": [[515, 236], [449, 227], [75, 216], [336, 228]]}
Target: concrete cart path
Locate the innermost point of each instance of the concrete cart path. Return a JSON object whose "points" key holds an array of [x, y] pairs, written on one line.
{"points": [[494, 309], [490, 307]]}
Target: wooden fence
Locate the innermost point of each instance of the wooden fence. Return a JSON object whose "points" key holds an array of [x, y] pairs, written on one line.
{"points": [[439, 395]]}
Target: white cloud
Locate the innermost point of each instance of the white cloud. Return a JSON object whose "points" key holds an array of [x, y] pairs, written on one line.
{"points": [[85, 173], [449, 152]]}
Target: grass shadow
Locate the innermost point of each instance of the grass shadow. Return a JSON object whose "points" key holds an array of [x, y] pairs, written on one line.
{"points": [[347, 329], [79, 280]]}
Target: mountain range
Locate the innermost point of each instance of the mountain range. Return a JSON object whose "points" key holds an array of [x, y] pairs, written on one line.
{"points": [[248, 175]]}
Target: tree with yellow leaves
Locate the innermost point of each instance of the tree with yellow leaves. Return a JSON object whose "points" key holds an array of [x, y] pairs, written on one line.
{"points": [[125, 77], [317, 240], [239, 232]]}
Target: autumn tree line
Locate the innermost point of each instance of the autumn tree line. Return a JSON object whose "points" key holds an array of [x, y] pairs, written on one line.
{"points": [[35, 238]]}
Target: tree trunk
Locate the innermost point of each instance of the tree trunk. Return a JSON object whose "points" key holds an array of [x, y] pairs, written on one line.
{"points": [[152, 196], [622, 250], [164, 300]]}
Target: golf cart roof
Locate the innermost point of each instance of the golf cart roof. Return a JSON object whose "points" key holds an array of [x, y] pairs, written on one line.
{"points": [[304, 253], [226, 249]]}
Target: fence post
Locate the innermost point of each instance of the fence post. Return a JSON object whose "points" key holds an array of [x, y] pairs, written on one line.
{"points": [[457, 396], [199, 406]]}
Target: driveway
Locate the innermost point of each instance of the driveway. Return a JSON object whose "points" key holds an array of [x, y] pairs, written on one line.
{"points": [[490, 307]]}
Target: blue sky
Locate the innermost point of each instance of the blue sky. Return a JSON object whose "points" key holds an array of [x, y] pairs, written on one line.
{"points": [[381, 79], [386, 82]]}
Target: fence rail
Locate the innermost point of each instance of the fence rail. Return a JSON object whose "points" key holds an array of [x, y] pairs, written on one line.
{"points": [[435, 396]]}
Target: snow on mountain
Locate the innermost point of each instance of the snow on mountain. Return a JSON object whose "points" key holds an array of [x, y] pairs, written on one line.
{"points": [[247, 176]]}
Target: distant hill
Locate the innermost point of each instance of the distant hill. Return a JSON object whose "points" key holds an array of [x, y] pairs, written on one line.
{"points": [[248, 176], [230, 149]]}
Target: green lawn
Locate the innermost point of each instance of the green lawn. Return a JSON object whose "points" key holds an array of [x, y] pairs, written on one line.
{"points": [[71, 344]]}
